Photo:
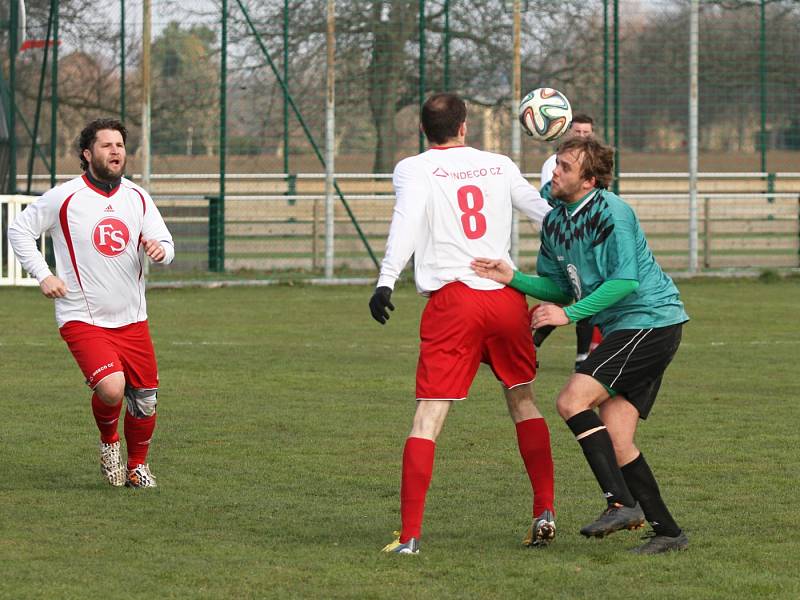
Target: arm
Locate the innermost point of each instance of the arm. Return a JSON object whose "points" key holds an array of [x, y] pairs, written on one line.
{"points": [[29, 225], [607, 294], [543, 288], [408, 219], [525, 197], [610, 292], [156, 238]]}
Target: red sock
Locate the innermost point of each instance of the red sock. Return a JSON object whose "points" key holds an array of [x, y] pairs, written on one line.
{"points": [[137, 437], [533, 438], [106, 418], [597, 337], [417, 471]]}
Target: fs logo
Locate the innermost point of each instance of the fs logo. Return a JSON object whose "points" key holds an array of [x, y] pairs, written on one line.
{"points": [[110, 237]]}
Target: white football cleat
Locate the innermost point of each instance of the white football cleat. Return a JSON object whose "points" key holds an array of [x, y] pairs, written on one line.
{"points": [[140, 477], [111, 465]]}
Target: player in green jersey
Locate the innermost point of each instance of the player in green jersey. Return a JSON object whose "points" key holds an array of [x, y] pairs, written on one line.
{"points": [[594, 253]]}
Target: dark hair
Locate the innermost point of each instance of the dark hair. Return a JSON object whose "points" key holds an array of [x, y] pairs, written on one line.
{"points": [[597, 159], [583, 118], [89, 135], [441, 116]]}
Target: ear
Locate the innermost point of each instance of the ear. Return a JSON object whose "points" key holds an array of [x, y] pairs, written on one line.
{"points": [[87, 155], [462, 130]]}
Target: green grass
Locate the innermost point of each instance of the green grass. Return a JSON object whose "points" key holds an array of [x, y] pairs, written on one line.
{"points": [[283, 412]]}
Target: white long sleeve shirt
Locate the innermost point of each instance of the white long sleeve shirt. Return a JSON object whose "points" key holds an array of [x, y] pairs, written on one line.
{"points": [[547, 170], [452, 205], [97, 240]]}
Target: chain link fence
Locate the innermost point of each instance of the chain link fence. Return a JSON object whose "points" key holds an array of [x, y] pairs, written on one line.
{"points": [[624, 63]]}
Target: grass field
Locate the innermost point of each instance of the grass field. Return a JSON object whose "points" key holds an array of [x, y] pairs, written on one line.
{"points": [[283, 412]]}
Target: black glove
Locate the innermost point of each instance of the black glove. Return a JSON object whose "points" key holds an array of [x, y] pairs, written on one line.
{"points": [[380, 301]]}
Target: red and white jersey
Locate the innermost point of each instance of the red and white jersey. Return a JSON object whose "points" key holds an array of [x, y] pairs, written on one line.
{"points": [[455, 204], [97, 244]]}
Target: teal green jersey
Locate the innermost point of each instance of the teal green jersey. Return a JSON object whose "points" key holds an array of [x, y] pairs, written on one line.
{"points": [[597, 239]]}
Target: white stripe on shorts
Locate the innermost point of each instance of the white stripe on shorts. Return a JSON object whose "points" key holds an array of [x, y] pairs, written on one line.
{"points": [[641, 334]]}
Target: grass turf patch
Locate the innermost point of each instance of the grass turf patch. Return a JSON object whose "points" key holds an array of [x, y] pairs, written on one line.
{"points": [[282, 416]]}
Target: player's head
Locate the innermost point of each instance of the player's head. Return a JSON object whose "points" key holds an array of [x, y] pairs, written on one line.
{"points": [[582, 163], [443, 118], [101, 148], [582, 125]]}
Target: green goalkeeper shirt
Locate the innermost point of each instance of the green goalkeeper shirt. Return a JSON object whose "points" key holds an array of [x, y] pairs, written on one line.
{"points": [[598, 239]]}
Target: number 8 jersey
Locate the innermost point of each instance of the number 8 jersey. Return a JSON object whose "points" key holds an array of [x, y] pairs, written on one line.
{"points": [[97, 243], [453, 204]]}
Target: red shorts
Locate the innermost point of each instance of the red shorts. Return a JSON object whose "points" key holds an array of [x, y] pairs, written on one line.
{"points": [[101, 351], [461, 328]]}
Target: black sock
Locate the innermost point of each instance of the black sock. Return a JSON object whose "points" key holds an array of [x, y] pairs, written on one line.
{"points": [[599, 453], [583, 335], [540, 334], [644, 488]]}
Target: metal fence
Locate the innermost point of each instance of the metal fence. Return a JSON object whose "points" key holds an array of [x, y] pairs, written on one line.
{"points": [[266, 64]]}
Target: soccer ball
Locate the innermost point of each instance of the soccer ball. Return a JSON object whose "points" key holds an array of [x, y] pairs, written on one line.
{"points": [[545, 114]]}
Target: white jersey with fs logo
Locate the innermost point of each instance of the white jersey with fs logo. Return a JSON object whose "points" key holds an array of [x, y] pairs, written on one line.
{"points": [[455, 204], [97, 244]]}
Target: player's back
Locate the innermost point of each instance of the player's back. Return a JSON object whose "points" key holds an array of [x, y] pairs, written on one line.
{"points": [[468, 210]]}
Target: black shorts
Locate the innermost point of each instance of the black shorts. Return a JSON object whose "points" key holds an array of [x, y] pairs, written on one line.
{"points": [[631, 363]]}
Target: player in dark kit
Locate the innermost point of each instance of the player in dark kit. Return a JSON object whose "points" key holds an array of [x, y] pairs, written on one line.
{"points": [[594, 252]]}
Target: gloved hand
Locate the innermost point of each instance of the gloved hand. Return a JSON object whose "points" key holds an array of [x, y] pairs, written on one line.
{"points": [[380, 301]]}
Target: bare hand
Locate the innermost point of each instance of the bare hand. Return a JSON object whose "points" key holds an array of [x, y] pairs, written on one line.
{"points": [[154, 250], [494, 269], [548, 314], [53, 287]]}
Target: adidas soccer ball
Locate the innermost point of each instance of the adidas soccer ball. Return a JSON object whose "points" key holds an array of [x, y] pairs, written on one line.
{"points": [[545, 114]]}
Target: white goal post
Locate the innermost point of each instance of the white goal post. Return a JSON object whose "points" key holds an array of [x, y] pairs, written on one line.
{"points": [[11, 272]]}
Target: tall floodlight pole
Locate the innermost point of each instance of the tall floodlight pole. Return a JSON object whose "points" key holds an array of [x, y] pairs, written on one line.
{"points": [[421, 86], [122, 60], [54, 96], [694, 29], [330, 132], [516, 96]]}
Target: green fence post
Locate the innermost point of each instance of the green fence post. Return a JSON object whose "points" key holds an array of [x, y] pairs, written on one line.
{"points": [[605, 70], [616, 97], [421, 66], [762, 76], [446, 45], [216, 234], [219, 212], [291, 188], [12, 101], [770, 187], [286, 88]]}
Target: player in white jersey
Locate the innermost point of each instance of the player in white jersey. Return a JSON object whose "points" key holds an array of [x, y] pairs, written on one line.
{"points": [[454, 203], [103, 226]]}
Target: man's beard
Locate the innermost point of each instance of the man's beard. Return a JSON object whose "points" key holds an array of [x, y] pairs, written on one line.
{"points": [[103, 173]]}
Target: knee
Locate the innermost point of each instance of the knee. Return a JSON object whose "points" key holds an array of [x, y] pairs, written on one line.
{"points": [[111, 389], [569, 404]]}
